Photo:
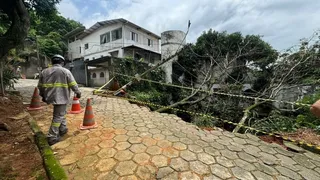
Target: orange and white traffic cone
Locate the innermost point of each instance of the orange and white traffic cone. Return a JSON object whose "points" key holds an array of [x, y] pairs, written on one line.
{"points": [[88, 120], [35, 101], [75, 108]]}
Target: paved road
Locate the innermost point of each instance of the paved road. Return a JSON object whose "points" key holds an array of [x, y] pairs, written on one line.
{"points": [[133, 143]]}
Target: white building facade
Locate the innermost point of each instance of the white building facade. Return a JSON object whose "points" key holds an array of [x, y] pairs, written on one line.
{"points": [[112, 38]]}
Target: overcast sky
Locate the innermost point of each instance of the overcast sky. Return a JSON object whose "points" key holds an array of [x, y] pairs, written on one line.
{"points": [[281, 22]]}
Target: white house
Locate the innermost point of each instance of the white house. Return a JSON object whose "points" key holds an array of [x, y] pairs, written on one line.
{"points": [[112, 38]]}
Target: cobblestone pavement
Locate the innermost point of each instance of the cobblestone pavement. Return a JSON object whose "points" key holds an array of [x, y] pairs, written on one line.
{"points": [[133, 143]]}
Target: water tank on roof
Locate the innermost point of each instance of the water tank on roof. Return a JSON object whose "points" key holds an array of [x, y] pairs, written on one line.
{"points": [[171, 43]]}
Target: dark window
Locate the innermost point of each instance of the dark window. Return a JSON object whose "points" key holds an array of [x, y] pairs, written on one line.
{"points": [[116, 34], [80, 49], [94, 75], [150, 42], [137, 56], [102, 74], [86, 46], [105, 38], [134, 36], [152, 61]]}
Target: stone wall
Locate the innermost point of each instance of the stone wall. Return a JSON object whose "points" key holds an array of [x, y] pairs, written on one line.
{"points": [[292, 94]]}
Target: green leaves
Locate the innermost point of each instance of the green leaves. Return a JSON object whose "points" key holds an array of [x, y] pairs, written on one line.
{"points": [[43, 8], [49, 32], [49, 47]]}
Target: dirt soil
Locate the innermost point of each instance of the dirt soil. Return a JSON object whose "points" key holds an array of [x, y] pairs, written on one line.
{"points": [[19, 155], [306, 135], [272, 139]]}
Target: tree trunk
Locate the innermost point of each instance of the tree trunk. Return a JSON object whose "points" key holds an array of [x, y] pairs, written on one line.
{"points": [[183, 101], [246, 114], [20, 23], [2, 78]]}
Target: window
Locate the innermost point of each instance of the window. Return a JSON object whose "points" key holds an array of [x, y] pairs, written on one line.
{"points": [[150, 42], [105, 38], [94, 75], [80, 49], [86, 46], [137, 56], [116, 34], [102, 74], [134, 36]]}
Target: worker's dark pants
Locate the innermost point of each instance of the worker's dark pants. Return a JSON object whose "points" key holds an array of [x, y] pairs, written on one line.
{"points": [[59, 123]]}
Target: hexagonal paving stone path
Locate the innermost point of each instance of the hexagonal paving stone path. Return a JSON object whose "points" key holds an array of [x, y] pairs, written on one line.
{"points": [[133, 143]]}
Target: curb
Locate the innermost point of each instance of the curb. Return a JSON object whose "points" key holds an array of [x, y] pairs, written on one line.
{"points": [[52, 166]]}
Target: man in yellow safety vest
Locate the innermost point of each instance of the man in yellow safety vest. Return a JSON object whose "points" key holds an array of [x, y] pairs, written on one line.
{"points": [[54, 86]]}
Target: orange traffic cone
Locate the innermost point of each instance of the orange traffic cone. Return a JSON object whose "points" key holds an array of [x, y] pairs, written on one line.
{"points": [[88, 120], [75, 108], [35, 101]]}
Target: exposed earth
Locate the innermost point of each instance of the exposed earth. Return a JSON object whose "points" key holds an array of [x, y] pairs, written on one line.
{"points": [[20, 158]]}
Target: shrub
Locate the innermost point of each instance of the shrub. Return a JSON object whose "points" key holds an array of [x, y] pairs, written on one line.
{"points": [[275, 122], [8, 75]]}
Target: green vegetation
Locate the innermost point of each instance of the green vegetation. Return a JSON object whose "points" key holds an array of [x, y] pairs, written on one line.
{"points": [[231, 61], [41, 31], [49, 33], [143, 91]]}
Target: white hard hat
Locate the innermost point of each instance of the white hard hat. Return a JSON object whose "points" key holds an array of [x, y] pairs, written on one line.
{"points": [[57, 56]]}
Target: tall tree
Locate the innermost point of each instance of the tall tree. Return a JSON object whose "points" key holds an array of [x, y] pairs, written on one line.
{"points": [[15, 23], [15, 13], [224, 62]]}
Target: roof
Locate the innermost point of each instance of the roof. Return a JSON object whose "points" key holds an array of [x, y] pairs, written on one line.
{"points": [[114, 21], [98, 61], [137, 47], [76, 31]]}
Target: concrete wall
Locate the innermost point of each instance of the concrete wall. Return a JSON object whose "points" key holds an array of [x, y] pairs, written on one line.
{"points": [[74, 49], [96, 50], [171, 41], [292, 94], [93, 41], [30, 66], [142, 39], [98, 81], [78, 71]]}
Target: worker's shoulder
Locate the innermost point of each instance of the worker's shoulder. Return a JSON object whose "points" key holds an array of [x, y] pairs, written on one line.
{"points": [[57, 69], [66, 71], [63, 69]]}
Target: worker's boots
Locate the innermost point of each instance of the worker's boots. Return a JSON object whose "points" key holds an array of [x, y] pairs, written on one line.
{"points": [[62, 133], [52, 141]]}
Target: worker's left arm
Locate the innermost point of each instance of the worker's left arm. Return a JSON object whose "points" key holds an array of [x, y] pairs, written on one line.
{"points": [[40, 85], [73, 84]]}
